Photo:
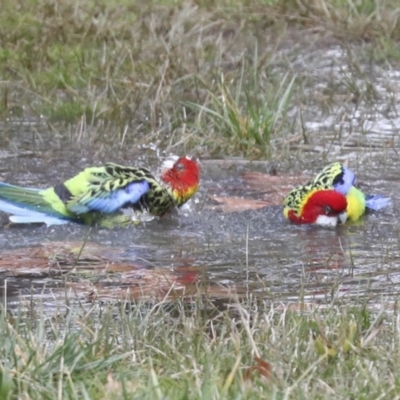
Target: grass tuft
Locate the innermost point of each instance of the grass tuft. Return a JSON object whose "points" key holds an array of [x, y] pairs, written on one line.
{"points": [[244, 121]]}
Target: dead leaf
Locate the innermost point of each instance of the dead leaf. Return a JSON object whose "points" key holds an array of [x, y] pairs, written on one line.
{"points": [[263, 367], [273, 188], [58, 257], [236, 204], [273, 183]]}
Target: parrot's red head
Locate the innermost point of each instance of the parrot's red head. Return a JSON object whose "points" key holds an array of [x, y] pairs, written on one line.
{"points": [[322, 207], [183, 179]]}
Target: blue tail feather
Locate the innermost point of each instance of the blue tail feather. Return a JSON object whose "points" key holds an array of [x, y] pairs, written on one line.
{"points": [[377, 202], [21, 215], [26, 205], [37, 219]]}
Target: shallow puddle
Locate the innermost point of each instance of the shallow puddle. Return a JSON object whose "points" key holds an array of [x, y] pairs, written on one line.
{"points": [[211, 248], [233, 239]]}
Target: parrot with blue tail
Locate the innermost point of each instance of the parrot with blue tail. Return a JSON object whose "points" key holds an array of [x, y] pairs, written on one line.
{"points": [[99, 195], [340, 178], [331, 198]]}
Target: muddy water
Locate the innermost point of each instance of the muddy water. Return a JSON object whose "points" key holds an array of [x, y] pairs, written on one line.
{"points": [[235, 248]]}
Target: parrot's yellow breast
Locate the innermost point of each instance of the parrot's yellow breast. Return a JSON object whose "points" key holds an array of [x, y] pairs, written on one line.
{"points": [[355, 204]]}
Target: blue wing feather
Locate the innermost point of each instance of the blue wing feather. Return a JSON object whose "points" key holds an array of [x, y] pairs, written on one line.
{"points": [[109, 202], [373, 202], [346, 181]]}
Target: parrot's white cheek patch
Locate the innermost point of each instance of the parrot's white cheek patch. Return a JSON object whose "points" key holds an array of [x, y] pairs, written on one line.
{"points": [[325, 220], [169, 162]]}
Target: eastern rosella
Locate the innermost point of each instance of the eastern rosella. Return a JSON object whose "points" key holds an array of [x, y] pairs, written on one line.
{"points": [[99, 195], [340, 178], [330, 198]]}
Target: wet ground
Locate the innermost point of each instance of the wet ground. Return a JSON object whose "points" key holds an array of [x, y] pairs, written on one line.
{"points": [[240, 245], [232, 240]]}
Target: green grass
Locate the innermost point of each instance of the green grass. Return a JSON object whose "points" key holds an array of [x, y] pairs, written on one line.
{"points": [[121, 65], [246, 120], [213, 78], [181, 351]]}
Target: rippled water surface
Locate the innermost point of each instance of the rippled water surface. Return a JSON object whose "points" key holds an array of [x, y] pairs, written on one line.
{"points": [[207, 248], [233, 239]]}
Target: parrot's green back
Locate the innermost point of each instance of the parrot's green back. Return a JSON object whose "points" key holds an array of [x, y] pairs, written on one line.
{"points": [[157, 201], [327, 177], [297, 197], [323, 181], [85, 185], [63, 195]]}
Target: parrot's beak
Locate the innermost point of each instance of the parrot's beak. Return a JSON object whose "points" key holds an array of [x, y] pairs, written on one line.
{"points": [[342, 218]]}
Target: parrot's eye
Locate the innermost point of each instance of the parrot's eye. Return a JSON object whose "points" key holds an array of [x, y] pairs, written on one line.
{"points": [[328, 210], [180, 167]]}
